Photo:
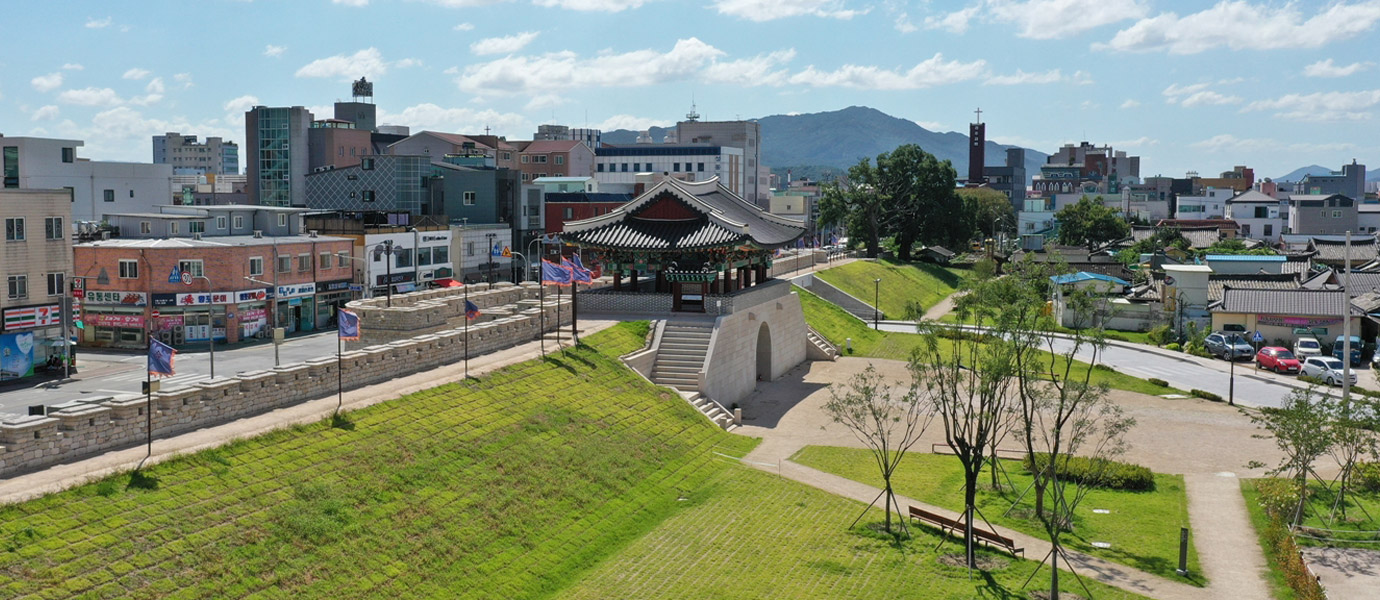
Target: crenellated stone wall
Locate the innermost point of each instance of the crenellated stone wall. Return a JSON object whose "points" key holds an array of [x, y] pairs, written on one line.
{"points": [[431, 311], [78, 429]]}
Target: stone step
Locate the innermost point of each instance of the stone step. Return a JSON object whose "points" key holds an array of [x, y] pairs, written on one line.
{"points": [[682, 353], [676, 381], [680, 360], [687, 345], [683, 370], [699, 333]]}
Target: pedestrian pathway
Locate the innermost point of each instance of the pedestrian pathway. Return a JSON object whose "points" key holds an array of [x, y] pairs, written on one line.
{"points": [[942, 308], [1227, 547], [63, 476]]}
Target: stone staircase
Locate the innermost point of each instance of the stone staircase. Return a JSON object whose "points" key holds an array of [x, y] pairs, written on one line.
{"points": [[680, 358], [820, 348], [713, 410]]}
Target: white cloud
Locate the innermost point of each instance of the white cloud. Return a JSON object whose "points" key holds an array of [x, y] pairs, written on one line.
{"points": [[135, 73], [503, 45], [930, 125], [932, 72], [351, 2], [368, 62], [1130, 103], [45, 113], [1196, 94], [1229, 142], [464, 27], [558, 71], [452, 71], [47, 83], [1056, 19], [93, 23], [1321, 106], [632, 122], [1140, 142], [768, 10], [122, 133], [155, 86], [1240, 25], [463, 3], [72, 67], [758, 70], [1052, 76], [1325, 68], [904, 24], [154, 93], [241, 104], [954, 22], [436, 118], [274, 51], [544, 101], [591, 5], [91, 97], [408, 63], [185, 79]]}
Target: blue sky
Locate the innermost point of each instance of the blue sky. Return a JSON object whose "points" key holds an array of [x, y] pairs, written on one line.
{"points": [[1187, 85]]}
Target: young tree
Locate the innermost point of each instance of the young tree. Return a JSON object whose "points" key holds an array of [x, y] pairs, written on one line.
{"points": [[886, 423], [1089, 223], [1352, 426], [857, 204], [967, 379], [1301, 430]]}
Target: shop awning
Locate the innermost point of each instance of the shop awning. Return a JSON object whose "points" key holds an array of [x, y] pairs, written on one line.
{"points": [[447, 282]]}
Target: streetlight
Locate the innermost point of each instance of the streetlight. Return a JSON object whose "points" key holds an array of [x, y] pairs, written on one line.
{"points": [[876, 303], [386, 249], [210, 324], [492, 264]]}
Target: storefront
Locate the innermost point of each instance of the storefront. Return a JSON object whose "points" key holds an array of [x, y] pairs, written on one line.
{"points": [[250, 314], [296, 306], [401, 282], [114, 319], [32, 334], [331, 296], [190, 317]]}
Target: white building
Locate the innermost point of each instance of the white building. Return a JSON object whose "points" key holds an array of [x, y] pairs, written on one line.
{"points": [[1035, 217], [419, 257], [1368, 218], [97, 187], [619, 165], [188, 157], [1259, 216], [473, 249], [1211, 205]]}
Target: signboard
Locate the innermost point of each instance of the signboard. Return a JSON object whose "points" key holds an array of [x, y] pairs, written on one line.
{"points": [[78, 283], [1291, 321], [397, 278], [251, 296], [167, 323], [194, 299], [175, 276], [334, 286], [356, 288], [16, 355], [435, 238], [404, 288], [122, 298], [33, 316], [299, 289], [117, 320]]}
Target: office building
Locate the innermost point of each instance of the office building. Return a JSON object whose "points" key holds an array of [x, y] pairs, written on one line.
{"points": [[619, 165], [95, 187], [277, 154], [187, 157], [746, 136]]}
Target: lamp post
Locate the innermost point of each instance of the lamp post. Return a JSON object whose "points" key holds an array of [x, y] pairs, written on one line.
{"points": [[416, 255], [489, 237], [877, 304], [386, 248], [210, 324]]}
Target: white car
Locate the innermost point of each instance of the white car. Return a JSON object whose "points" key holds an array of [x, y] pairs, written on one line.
{"points": [[1307, 346], [1326, 368]]}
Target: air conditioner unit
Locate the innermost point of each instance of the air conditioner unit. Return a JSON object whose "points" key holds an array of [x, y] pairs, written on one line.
{"points": [[178, 337]]}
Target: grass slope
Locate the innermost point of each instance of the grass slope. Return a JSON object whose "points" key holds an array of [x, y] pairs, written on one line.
{"points": [[838, 325], [752, 535], [510, 486], [1143, 527], [904, 285], [1279, 588]]}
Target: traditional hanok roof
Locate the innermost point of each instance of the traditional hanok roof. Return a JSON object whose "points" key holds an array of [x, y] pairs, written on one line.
{"points": [[1252, 281], [1332, 249], [676, 214], [1282, 302], [939, 250], [1198, 237]]}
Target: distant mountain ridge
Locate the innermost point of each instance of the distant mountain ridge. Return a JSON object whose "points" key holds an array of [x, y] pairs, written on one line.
{"points": [[1299, 173], [835, 140]]}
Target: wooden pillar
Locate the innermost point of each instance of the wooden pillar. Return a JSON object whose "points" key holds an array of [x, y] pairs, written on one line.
{"points": [[632, 279], [617, 280], [660, 281]]}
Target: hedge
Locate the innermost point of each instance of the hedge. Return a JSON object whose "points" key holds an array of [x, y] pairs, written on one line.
{"points": [[1101, 473], [1279, 543], [1158, 381], [1206, 395]]}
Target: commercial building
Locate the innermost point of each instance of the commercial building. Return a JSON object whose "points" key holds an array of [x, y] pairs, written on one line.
{"points": [[1318, 214], [421, 248], [745, 136], [277, 154], [620, 165], [1259, 216], [478, 252], [1211, 204], [559, 158], [188, 157], [1349, 182], [383, 183], [36, 264], [94, 187]]}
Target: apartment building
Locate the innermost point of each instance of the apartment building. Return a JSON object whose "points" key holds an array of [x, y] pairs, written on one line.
{"points": [[36, 264], [94, 187], [215, 156]]}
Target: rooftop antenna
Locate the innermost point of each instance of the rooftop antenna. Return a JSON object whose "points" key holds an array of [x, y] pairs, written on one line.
{"points": [[693, 115]]}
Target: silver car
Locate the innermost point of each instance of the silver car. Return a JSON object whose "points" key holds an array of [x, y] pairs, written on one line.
{"points": [[1326, 368]]}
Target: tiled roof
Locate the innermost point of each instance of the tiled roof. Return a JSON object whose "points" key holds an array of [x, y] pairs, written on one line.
{"points": [[1253, 197], [551, 146], [1086, 276], [658, 235], [1363, 249], [1281, 302], [1198, 237], [1361, 282], [1255, 281]]}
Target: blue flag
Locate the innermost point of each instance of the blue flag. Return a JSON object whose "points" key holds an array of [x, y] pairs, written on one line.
{"points": [[160, 358], [578, 273], [554, 274], [349, 325], [471, 311]]}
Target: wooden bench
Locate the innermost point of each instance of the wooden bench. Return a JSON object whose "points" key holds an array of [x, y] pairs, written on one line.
{"points": [[956, 527]]}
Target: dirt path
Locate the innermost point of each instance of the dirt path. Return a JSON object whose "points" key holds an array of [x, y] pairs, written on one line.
{"points": [[943, 307]]}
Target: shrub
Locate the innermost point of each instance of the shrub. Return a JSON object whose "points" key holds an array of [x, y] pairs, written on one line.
{"points": [[1206, 395], [1367, 476], [1278, 497], [1160, 336], [1173, 346], [1158, 381], [1097, 472], [1310, 379], [1102, 367]]}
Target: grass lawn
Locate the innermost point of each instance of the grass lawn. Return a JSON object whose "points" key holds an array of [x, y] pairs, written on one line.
{"points": [[903, 284], [752, 535], [1135, 337], [1259, 520], [511, 486], [1143, 527], [838, 325], [1362, 522]]}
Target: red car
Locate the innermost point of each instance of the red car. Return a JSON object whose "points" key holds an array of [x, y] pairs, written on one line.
{"points": [[1279, 360]]}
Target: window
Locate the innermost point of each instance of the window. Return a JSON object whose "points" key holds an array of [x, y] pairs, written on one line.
{"points": [[625, 167], [440, 255], [220, 222], [569, 212], [1246, 230], [69, 155], [197, 227], [256, 265], [1336, 214], [1269, 230], [131, 193], [637, 167], [352, 151], [191, 266], [14, 229], [145, 227], [560, 159], [367, 164], [1262, 212], [699, 167], [303, 262], [18, 286], [526, 159], [404, 257], [52, 228], [525, 177], [469, 198], [424, 257], [282, 219], [323, 260], [174, 228], [11, 164], [109, 195], [599, 167], [238, 221], [55, 284], [129, 269], [284, 264], [469, 248], [341, 258], [507, 156], [368, 195], [675, 166]]}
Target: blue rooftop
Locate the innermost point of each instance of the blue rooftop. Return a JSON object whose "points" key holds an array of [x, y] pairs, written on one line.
{"points": [[1086, 276], [1245, 258]]}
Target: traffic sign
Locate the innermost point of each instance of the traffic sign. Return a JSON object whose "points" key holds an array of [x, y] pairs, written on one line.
{"points": [[187, 278], [1257, 337], [175, 276], [154, 314]]}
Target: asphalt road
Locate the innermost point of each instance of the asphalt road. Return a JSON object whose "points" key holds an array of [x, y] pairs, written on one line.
{"points": [[106, 374]]}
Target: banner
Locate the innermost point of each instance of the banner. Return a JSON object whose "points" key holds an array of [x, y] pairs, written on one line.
{"points": [[16, 355], [109, 297], [117, 320]]}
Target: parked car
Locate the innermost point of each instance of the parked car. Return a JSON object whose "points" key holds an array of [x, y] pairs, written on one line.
{"points": [[1307, 346], [1279, 360], [1228, 346], [1356, 347], [1325, 368]]}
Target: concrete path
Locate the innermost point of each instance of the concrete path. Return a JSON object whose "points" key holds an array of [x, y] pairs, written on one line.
{"points": [[1228, 549], [63, 476], [1346, 573], [944, 307]]}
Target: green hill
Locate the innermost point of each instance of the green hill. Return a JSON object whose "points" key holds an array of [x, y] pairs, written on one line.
{"points": [[903, 287]]}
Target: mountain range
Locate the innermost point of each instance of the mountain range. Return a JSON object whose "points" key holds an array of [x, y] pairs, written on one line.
{"points": [[818, 145], [1299, 173]]}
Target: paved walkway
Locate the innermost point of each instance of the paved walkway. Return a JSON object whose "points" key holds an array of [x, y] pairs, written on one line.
{"points": [[63, 476], [1346, 573], [1205, 440], [944, 307]]}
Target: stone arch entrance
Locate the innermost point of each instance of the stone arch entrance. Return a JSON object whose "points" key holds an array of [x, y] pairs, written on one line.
{"points": [[764, 353]]}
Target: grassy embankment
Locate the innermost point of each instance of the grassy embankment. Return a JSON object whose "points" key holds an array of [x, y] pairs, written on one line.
{"points": [[906, 288]]}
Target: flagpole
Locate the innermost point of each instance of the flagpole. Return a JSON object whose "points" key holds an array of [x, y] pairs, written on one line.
{"points": [[339, 372], [574, 308], [467, 332], [148, 389], [558, 317], [541, 301]]}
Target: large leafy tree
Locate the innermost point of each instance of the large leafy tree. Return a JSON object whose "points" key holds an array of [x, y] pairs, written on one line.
{"points": [[987, 211], [919, 192], [857, 204], [1089, 223]]}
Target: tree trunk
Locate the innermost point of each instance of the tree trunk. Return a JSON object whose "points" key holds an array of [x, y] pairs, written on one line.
{"points": [[1054, 568], [890, 497], [969, 501], [1040, 497]]}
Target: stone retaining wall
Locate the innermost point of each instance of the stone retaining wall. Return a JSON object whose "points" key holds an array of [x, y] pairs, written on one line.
{"points": [[79, 429]]}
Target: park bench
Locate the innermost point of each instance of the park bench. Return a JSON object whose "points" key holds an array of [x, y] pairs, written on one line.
{"points": [[956, 527]]}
